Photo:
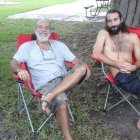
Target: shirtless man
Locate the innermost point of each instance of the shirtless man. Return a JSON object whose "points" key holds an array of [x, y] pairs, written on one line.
{"points": [[114, 46]]}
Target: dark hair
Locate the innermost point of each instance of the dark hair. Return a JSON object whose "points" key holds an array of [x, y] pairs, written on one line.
{"points": [[124, 27]]}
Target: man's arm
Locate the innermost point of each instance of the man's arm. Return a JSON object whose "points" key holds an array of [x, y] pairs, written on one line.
{"points": [[15, 67], [137, 51], [136, 43]]}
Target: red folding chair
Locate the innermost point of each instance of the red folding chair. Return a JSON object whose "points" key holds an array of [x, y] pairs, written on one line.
{"points": [[111, 82], [23, 103]]}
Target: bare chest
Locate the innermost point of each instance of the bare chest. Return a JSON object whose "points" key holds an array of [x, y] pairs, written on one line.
{"points": [[118, 48], [122, 45]]}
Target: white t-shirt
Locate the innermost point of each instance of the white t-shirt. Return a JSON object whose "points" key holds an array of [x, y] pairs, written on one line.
{"points": [[44, 65]]}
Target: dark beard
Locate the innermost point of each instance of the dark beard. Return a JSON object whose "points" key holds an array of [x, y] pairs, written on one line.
{"points": [[114, 30]]}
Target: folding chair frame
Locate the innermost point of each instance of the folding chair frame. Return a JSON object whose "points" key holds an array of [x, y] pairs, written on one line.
{"points": [[115, 89], [25, 108], [24, 103]]}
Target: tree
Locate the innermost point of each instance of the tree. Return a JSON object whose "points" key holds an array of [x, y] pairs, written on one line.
{"points": [[130, 10]]}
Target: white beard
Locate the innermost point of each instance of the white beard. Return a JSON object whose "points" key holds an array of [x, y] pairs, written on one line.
{"points": [[41, 37]]}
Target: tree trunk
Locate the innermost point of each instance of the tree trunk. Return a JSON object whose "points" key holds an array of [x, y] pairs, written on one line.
{"points": [[130, 10], [136, 21], [115, 4]]}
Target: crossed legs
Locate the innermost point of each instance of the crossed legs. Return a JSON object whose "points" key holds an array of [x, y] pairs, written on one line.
{"points": [[61, 114], [68, 82]]}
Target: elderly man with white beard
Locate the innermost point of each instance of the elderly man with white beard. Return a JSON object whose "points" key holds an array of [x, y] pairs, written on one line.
{"points": [[45, 60]]}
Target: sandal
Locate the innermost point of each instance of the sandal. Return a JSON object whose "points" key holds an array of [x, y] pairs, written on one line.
{"points": [[45, 105]]}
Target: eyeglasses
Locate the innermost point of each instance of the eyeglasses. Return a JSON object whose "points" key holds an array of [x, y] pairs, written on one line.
{"points": [[48, 55]]}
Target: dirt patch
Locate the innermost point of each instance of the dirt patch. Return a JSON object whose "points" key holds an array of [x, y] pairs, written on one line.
{"points": [[121, 121]]}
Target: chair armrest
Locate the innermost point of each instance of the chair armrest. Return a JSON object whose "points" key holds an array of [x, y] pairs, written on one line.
{"points": [[16, 77], [70, 64], [26, 85], [96, 59]]}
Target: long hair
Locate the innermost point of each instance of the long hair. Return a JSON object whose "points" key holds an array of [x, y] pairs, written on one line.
{"points": [[124, 27]]}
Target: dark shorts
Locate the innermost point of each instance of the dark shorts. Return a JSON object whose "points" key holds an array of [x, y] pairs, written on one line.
{"points": [[129, 82]]}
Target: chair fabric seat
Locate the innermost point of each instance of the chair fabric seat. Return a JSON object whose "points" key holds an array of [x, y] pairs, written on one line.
{"points": [[110, 77]]}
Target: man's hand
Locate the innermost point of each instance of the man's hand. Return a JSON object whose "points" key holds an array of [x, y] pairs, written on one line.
{"points": [[23, 74], [126, 67]]}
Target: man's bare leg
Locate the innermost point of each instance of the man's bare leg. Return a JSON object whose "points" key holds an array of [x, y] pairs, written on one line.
{"points": [[138, 124], [62, 118], [67, 83]]}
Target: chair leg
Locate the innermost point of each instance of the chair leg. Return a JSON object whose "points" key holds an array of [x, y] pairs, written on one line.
{"points": [[27, 112], [20, 109], [25, 108], [106, 100], [72, 120], [124, 98], [46, 121], [114, 105], [19, 98]]}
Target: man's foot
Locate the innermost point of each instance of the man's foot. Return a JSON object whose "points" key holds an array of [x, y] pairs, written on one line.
{"points": [[45, 104], [138, 124]]}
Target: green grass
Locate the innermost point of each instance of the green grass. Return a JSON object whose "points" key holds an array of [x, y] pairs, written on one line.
{"points": [[15, 127]]}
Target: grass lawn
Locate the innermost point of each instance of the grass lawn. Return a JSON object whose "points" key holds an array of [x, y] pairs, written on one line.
{"points": [[16, 127]]}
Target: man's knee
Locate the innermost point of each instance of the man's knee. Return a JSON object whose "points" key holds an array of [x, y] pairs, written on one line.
{"points": [[63, 106], [81, 70]]}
